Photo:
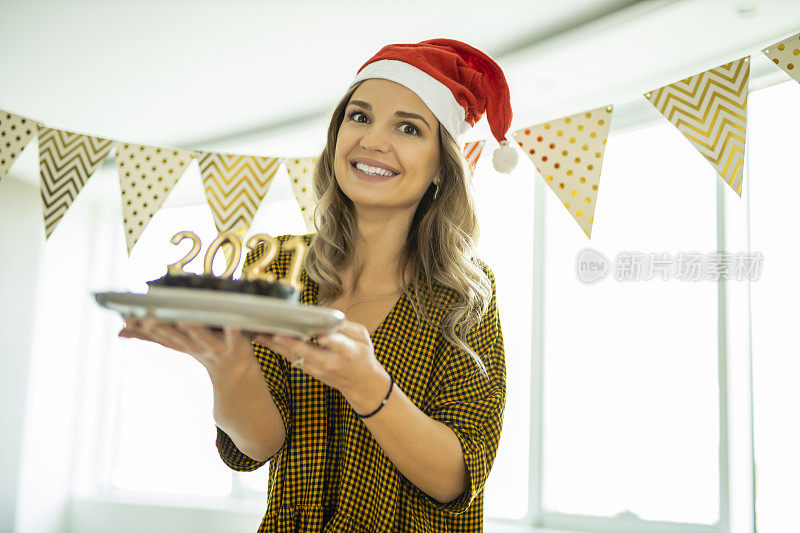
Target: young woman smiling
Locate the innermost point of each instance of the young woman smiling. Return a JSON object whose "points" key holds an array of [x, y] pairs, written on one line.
{"points": [[390, 423]]}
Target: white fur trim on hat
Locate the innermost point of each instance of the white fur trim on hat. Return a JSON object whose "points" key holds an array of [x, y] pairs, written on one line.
{"points": [[435, 94]]}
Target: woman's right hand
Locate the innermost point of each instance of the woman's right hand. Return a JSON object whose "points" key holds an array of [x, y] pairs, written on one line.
{"points": [[218, 352]]}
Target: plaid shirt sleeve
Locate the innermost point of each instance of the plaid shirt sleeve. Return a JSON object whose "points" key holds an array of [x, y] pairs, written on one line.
{"points": [[471, 403], [276, 373]]}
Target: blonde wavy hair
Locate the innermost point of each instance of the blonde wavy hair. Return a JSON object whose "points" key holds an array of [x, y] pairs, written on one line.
{"points": [[441, 242]]}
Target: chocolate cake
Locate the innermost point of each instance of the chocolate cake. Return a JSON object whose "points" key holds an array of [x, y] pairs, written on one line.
{"points": [[259, 287]]}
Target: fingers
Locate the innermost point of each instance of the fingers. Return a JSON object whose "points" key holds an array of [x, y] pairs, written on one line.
{"points": [[338, 342], [133, 329], [168, 336], [201, 336], [355, 331], [231, 335], [315, 360]]}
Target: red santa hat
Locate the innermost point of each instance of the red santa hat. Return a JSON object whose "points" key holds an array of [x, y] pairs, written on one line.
{"points": [[457, 82]]}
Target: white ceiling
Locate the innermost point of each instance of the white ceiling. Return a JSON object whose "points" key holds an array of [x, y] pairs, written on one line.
{"points": [[260, 77]]}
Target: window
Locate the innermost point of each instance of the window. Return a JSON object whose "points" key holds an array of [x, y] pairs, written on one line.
{"points": [[772, 145], [613, 411], [506, 245], [163, 427], [164, 431], [630, 394]]}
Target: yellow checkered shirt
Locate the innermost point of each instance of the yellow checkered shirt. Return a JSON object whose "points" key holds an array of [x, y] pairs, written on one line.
{"points": [[331, 474]]}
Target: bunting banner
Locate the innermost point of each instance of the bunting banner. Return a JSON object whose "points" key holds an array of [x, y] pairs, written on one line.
{"points": [[710, 109], [147, 175], [66, 162], [15, 132], [569, 152], [472, 152], [235, 185], [786, 54], [301, 175]]}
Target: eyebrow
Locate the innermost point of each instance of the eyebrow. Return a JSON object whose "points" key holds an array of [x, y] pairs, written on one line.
{"points": [[403, 114]]}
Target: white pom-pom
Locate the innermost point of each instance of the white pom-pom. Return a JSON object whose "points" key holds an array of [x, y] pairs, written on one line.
{"points": [[505, 158]]}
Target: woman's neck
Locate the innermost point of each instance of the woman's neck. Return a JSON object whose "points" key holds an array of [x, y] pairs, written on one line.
{"points": [[380, 242]]}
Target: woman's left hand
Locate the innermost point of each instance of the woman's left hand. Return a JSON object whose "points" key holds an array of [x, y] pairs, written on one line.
{"points": [[345, 360]]}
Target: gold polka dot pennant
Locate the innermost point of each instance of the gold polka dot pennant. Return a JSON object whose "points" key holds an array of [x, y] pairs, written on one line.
{"points": [[147, 175], [786, 54], [710, 109], [568, 152], [472, 152], [301, 175], [66, 162], [235, 185], [15, 134]]}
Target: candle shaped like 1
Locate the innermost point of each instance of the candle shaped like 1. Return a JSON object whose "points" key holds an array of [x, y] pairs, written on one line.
{"points": [[300, 248]]}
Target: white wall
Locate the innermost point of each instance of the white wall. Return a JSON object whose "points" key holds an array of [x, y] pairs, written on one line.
{"points": [[21, 230], [46, 306]]}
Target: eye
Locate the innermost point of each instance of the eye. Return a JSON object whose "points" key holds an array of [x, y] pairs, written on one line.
{"points": [[353, 113], [413, 126], [416, 130]]}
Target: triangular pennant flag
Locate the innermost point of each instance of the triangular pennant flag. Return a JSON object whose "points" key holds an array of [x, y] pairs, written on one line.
{"points": [[569, 152], [66, 162], [301, 174], [147, 175], [710, 109], [786, 54], [235, 186], [15, 134], [472, 152]]}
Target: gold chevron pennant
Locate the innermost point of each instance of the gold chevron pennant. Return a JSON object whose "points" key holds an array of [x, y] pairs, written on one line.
{"points": [[235, 186], [147, 175], [786, 54], [301, 174], [569, 152], [15, 133], [66, 162], [710, 109]]}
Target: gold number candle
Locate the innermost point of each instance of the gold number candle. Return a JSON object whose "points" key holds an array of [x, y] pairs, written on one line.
{"points": [[300, 248], [176, 269], [257, 269], [226, 236]]}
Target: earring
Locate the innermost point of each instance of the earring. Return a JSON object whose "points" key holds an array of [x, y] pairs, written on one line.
{"points": [[436, 191]]}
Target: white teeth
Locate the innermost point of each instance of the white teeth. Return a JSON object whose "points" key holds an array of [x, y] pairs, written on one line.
{"points": [[373, 170]]}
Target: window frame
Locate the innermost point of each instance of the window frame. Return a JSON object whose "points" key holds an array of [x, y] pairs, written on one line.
{"points": [[90, 511]]}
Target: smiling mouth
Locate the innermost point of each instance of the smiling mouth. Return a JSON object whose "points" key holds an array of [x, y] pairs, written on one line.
{"points": [[361, 173]]}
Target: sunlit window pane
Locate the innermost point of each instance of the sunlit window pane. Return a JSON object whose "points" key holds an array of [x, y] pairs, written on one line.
{"points": [[772, 143], [165, 428], [255, 481], [631, 404], [505, 211]]}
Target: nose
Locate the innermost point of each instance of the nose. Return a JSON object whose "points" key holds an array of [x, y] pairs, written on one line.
{"points": [[375, 139]]}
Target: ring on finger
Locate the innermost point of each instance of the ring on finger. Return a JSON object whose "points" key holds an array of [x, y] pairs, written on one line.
{"points": [[297, 363]]}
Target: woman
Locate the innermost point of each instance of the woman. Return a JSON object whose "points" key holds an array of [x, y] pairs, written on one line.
{"points": [[392, 422]]}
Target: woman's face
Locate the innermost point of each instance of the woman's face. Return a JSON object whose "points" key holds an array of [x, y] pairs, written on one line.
{"points": [[389, 124]]}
